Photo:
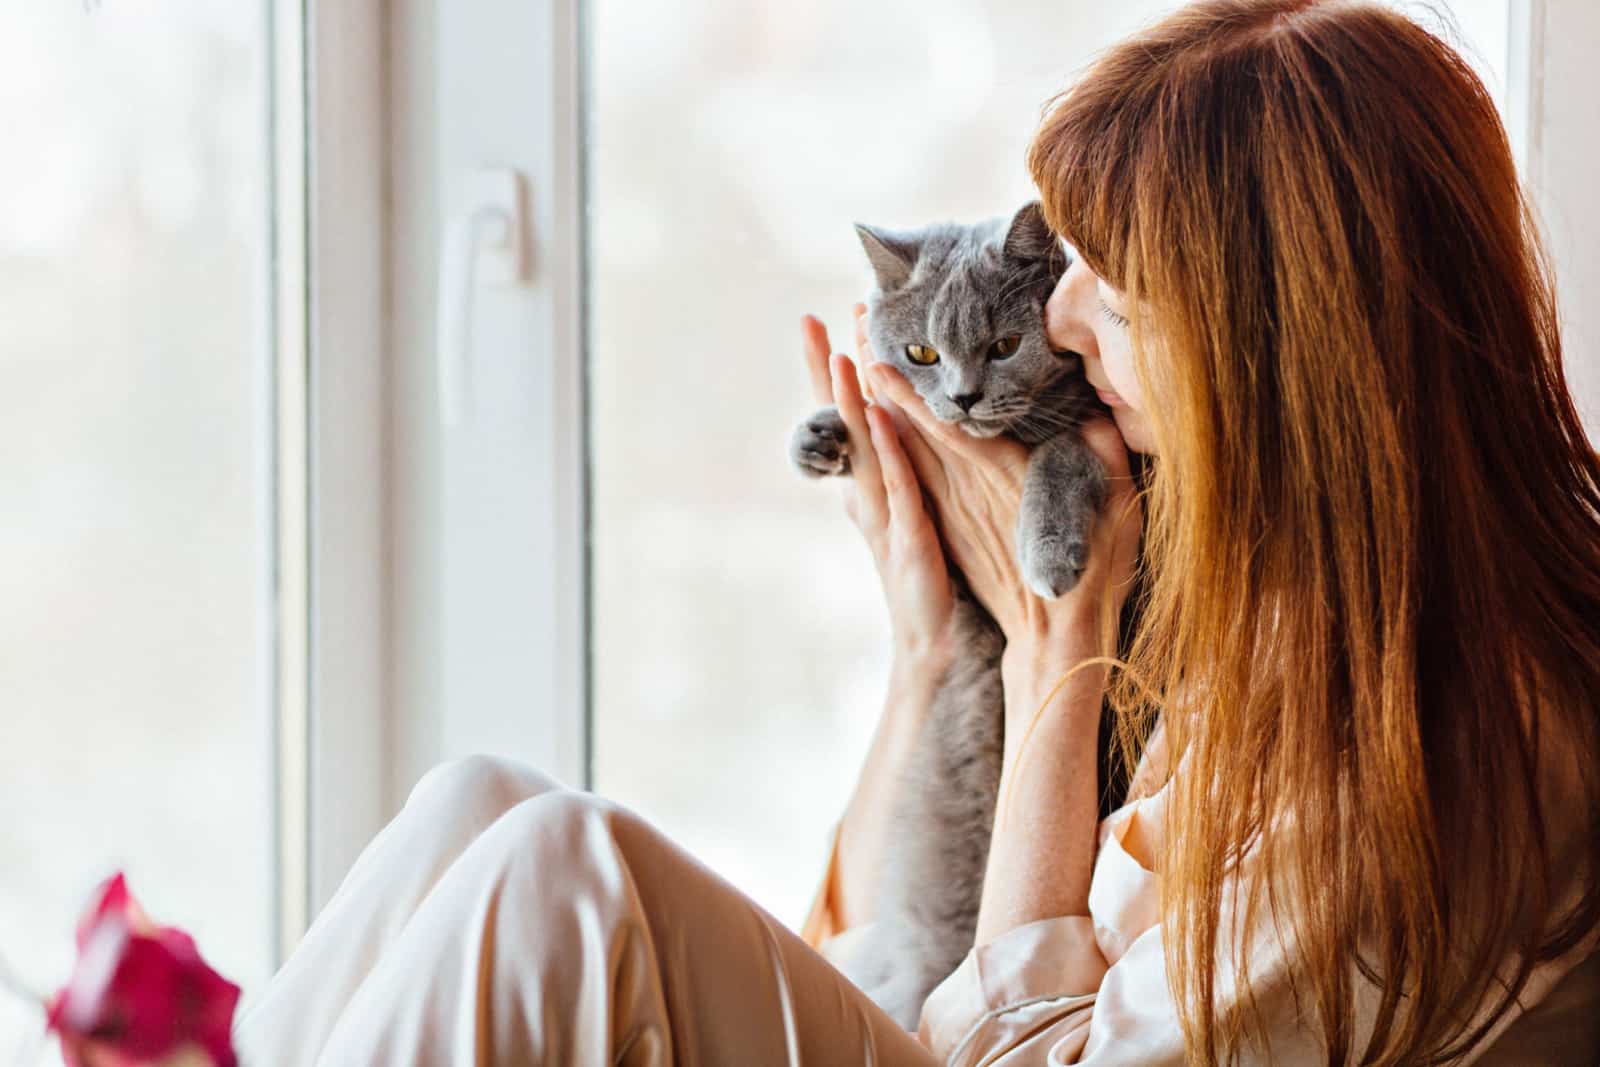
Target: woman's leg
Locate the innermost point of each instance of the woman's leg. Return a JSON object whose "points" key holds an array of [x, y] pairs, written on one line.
{"points": [[571, 932], [450, 807]]}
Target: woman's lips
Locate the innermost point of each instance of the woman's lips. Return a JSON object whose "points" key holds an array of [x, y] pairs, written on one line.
{"points": [[1110, 399]]}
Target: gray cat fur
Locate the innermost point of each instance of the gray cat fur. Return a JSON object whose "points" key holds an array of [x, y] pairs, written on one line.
{"points": [[957, 289]]}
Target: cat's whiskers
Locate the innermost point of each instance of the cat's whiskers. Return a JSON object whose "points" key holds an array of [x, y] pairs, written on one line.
{"points": [[1048, 422]]}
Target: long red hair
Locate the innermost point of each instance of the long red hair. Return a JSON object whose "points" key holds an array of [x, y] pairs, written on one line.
{"points": [[1373, 541]]}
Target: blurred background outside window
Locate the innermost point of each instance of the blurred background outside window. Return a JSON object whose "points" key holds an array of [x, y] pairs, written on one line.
{"points": [[134, 552]]}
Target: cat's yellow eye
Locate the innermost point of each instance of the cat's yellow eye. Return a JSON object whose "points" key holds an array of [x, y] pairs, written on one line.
{"points": [[922, 355], [1006, 346]]}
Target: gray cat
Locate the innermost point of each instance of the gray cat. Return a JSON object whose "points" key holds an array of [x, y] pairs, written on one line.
{"points": [[959, 310]]}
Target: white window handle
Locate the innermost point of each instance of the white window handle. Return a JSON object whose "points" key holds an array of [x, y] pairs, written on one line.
{"points": [[482, 244]]}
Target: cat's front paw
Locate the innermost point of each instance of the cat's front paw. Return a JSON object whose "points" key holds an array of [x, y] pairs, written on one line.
{"points": [[1052, 565], [821, 445]]}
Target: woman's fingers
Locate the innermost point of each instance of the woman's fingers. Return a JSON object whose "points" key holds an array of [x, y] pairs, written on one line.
{"points": [[863, 459], [1117, 537], [814, 344], [928, 464], [1105, 441], [892, 385], [865, 357], [864, 352], [901, 487]]}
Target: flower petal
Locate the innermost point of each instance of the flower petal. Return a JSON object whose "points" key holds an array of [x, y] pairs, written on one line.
{"points": [[139, 992]]}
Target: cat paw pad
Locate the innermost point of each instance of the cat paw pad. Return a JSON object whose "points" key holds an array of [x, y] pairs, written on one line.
{"points": [[820, 446]]}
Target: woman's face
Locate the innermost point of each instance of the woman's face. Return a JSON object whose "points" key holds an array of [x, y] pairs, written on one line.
{"points": [[1087, 316]]}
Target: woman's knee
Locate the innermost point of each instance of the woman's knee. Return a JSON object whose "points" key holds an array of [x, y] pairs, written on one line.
{"points": [[480, 785], [585, 837]]}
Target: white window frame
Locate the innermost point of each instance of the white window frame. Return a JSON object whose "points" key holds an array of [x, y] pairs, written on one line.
{"points": [[392, 654], [290, 496], [489, 646], [327, 324], [513, 492], [1555, 90], [345, 395]]}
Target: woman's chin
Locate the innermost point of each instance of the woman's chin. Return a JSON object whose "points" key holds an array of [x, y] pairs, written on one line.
{"points": [[1136, 433]]}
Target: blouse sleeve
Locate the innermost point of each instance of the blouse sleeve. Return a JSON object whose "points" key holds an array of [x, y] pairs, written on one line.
{"points": [[823, 929], [1093, 989], [1076, 989], [822, 921]]}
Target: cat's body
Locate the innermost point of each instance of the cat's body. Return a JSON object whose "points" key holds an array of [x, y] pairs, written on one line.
{"points": [[959, 311]]}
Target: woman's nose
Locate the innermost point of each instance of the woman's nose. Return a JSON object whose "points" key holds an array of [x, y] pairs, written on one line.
{"points": [[1066, 313]]}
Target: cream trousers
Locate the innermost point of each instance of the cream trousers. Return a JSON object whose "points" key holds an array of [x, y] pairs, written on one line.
{"points": [[502, 920]]}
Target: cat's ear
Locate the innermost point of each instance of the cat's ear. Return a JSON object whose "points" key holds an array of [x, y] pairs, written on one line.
{"points": [[892, 255], [1029, 236]]}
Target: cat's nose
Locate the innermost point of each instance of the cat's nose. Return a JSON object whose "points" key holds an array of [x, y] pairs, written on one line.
{"points": [[964, 401]]}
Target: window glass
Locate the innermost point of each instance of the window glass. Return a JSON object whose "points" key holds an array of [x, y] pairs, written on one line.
{"points": [[133, 420], [739, 639], [1479, 28]]}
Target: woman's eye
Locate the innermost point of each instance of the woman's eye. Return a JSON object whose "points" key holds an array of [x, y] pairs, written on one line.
{"points": [[1119, 321], [1006, 346], [922, 355]]}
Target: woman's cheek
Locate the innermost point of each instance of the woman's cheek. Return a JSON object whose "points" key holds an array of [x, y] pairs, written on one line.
{"points": [[1117, 359], [1117, 365]]}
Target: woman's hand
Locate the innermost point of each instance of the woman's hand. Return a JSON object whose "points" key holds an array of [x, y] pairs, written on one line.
{"points": [[975, 488], [883, 498]]}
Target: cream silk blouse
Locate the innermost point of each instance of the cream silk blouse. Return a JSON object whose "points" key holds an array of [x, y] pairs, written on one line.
{"points": [[1092, 989]]}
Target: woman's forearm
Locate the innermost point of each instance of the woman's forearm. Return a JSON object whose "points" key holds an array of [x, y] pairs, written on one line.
{"points": [[1041, 856], [864, 830]]}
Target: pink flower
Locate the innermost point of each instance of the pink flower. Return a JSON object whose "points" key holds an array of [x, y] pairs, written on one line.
{"points": [[140, 993]]}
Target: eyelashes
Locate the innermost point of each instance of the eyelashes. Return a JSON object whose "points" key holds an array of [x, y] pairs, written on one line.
{"points": [[1119, 321]]}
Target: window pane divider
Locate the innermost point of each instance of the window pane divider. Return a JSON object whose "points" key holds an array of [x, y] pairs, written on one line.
{"points": [[289, 484]]}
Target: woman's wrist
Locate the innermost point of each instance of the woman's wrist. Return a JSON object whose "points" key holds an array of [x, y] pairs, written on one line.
{"points": [[920, 656], [1041, 653], [915, 672], [1051, 677]]}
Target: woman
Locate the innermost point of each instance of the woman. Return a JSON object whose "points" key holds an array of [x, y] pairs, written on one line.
{"points": [[1309, 286]]}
